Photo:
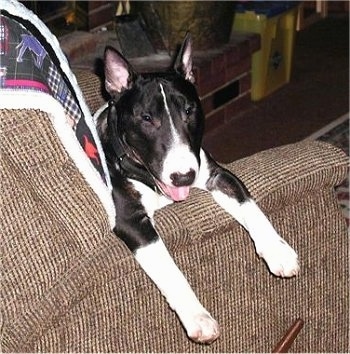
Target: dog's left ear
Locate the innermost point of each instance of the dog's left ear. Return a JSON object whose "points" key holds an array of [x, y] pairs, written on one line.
{"points": [[183, 63], [119, 74]]}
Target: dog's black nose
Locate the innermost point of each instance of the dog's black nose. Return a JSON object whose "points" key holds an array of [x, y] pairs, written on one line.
{"points": [[183, 179]]}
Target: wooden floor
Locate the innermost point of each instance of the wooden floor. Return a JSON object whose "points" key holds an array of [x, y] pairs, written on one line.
{"points": [[317, 94]]}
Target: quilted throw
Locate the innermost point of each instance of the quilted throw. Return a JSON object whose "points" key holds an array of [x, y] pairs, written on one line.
{"points": [[34, 73]]}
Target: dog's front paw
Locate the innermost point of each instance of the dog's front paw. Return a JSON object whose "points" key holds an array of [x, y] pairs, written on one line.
{"points": [[203, 328], [281, 259]]}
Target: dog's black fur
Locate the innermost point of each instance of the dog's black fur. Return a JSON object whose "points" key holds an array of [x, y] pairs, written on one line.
{"points": [[151, 133]]}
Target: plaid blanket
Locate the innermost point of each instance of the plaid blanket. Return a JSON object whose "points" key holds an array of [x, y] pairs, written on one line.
{"points": [[28, 63]]}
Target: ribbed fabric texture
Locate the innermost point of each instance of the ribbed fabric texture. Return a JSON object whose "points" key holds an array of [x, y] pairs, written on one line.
{"points": [[91, 86], [68, 284]]}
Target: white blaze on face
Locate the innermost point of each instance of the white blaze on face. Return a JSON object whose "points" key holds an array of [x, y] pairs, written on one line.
{"points": [[179, 159]]}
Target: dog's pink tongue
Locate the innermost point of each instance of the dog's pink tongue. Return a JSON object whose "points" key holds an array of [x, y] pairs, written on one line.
{"points": [[177, 193]]}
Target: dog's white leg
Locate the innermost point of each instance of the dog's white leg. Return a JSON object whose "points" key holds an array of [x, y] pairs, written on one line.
{"points": [[160, 267], [281, 259], [158, 264], [229, 192]]}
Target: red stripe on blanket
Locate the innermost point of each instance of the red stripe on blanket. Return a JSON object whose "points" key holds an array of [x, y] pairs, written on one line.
{"points": [[36, 85]]}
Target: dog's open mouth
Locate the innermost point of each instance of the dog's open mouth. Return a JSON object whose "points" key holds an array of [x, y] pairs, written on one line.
{"points": [[175, 193]]}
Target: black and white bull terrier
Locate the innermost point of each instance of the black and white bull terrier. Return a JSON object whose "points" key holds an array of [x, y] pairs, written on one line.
{"points": [[151, 133]]}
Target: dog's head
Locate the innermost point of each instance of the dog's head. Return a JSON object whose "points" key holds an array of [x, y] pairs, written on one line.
{"points": [[159, 119]]}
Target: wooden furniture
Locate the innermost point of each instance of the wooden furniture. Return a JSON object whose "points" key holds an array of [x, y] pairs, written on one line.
{"points": [[304, 19], [287, 340]]}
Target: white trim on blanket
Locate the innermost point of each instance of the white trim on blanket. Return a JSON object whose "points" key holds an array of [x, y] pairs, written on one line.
{"points": [[46, 103]]}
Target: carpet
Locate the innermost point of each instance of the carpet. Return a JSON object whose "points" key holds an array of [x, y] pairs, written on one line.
{"points": [[337, 133]]}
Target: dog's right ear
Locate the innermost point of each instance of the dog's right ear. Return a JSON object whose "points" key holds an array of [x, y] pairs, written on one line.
{"points": [[183, 63], [118, 72]]}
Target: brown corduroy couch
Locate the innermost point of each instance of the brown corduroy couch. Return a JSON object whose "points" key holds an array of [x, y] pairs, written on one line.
{"points": [[69, 285]]}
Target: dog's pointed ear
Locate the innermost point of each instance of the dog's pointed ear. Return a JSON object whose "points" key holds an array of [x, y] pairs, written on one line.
{"points": [[119, 74], [183, 63]]}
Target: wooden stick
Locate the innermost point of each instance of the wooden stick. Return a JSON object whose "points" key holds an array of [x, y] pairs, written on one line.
{"points": [[286, 342]]}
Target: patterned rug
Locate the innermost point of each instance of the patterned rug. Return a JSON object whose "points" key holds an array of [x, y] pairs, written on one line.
{"points": [[337, 133]]}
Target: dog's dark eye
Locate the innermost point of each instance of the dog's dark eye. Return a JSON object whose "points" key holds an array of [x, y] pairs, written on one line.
{"points": [[146, 117], [189, 111]]}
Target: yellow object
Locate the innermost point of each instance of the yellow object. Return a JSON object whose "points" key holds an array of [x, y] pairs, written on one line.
{"points": [[272, 64]]}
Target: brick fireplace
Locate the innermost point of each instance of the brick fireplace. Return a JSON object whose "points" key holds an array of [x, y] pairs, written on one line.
{"points": [[63, 17]]}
